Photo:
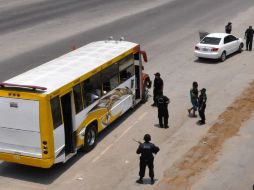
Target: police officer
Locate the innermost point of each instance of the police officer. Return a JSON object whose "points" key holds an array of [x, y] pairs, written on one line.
{"points": [[146, 150], [249, 38], [157, 87], [228, 28], [202, 106], [162, 104]]}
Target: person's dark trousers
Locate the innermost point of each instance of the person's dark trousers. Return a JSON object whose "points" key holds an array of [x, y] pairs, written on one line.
{"points": [[165, 121], [249, 44], [160, 121], [155, 95], [202, 115], [142, 168]]}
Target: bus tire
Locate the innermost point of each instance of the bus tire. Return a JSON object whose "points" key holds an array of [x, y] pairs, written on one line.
{"points": [[90, 138]]}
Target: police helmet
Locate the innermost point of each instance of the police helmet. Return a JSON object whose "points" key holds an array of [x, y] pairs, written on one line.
{"points": [[147, 138], [195, 84]]}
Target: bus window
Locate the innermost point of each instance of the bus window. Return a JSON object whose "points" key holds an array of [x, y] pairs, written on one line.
{"points": [[56, 112], [91, 89], [78, 98], [109, 77], [126, 68], [126, 73]]}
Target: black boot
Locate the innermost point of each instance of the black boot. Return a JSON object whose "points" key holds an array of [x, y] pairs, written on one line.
{"points": [[140, 181], [152, 181]]}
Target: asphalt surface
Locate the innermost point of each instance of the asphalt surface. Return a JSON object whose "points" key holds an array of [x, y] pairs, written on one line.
{"points": [[35, 32]]}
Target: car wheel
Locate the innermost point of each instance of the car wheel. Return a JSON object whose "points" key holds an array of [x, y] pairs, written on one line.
{"points": [[223, 56], [90, 138], [240, 48]]}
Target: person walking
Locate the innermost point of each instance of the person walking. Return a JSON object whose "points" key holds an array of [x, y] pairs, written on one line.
{"points": [[162, 104], [146, 150], [228, 28], [194, 99], [157, 87], [249, 38], [202, 106]]}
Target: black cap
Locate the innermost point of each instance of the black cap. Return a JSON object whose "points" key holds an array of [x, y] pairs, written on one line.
{"points": [[147, 138], [157, 74], [229, 23], [195, 84]]}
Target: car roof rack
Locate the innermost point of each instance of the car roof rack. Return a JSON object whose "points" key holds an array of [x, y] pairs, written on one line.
{"points": [[6, 85]]}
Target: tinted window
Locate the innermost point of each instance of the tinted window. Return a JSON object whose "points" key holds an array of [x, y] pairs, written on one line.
{"points": [[126, 68], [211, 40], [56, 112], [227, 39], [78, 98], [126, 73], [232, 38], [91, 89], [110, 79]]}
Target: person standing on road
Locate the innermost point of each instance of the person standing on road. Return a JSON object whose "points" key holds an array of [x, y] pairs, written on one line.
{"points": [[228, 28], [162, 104], [202, 106], [249, 38], [146, 150], [157, 88], [194, 99]]}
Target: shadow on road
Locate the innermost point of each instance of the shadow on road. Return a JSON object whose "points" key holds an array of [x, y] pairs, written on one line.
{"points": [[48, 176]]}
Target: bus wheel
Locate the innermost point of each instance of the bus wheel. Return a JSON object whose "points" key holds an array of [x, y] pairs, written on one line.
{"points": [[90, 138]]}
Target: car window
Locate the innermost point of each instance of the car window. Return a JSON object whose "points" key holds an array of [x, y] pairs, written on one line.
{"points": [[232, 38], [210, 40], [227, 39]]}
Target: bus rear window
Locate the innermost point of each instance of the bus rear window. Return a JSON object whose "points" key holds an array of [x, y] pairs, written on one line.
{"points": [[56, 112]]}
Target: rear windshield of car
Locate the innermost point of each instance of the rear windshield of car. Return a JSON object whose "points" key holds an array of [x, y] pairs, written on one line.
{"points": [[210, 40]]}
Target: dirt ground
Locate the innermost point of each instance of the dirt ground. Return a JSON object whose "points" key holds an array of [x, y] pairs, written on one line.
{"points": [[187, 170]]}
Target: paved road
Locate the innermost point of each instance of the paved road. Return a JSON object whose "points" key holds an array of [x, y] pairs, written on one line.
{"points": [[167, 30]]}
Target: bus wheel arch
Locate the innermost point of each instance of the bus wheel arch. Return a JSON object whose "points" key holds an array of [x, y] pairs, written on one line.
{"points": [[90, 137]]}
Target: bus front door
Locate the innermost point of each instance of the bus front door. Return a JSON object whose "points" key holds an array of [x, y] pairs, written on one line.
{"points": [[68, 123]]}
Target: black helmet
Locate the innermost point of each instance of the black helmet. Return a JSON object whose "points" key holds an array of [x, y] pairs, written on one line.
{"points": [[195, 84], [147, 138]]}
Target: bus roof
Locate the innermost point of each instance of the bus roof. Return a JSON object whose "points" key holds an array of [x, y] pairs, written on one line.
{"points": [[69, 67]]}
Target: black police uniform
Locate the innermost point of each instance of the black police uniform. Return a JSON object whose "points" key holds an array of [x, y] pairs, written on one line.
{"points": [[202, 106], [162, 104], [228, 28], [147, 150], [249, 38], [157, 88]]}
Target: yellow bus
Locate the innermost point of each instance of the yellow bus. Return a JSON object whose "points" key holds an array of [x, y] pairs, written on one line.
{"points": [[51, 111]]}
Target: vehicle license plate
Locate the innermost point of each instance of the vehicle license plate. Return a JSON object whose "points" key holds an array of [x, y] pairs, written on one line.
{"points": [[205, 49]]}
